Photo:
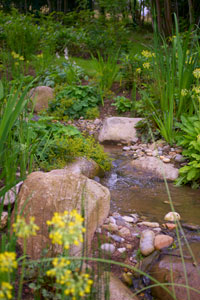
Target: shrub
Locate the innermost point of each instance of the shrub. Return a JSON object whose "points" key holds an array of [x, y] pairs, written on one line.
{"points": [[122, 104]]}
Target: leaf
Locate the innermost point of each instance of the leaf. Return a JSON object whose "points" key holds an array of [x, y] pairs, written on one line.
{"points": [[1, 90], [191, 174]]}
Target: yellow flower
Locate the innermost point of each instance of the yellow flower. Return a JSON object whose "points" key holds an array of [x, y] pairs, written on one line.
{"points": [[184, 92], [66, 228], [138, 70], [196, 89], [5, 290], [24, 230], [8, 262], [196, 73], [40, 55], [16, 63], [147, 54], [21, 58], [146, 65], [15, 55]]}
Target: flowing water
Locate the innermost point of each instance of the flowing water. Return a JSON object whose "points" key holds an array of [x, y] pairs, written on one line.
{"points": [[135, 191]]}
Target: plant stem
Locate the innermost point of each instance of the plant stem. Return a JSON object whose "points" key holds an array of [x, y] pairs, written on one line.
{"points": [[22, 272]]}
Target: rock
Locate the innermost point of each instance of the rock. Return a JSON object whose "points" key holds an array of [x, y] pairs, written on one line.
{"points": [[166, 160], [117, 129], [179, 158], [84, 166], [128, 219], [4, 219], [170, 226], [127, 278], [117, 238], [112, 220], [11, 195], [162, 241], [40, 97], [191, 227], [126, 148], [155, 165], [110, 227], [124, 232], [108, 248], [57, 191], [149, 224], [147, 242], [117, 290], [157, 230], [172, 216], [121, 250], [135, 218], [170, 269]]}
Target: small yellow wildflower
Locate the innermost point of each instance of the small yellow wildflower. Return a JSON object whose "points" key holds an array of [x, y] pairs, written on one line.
{"points": [[146, 65], [8, 261], [196, 73], [21, 58], [5, 290], [196, 89], [15, 55], [147, 54], [16, 63], [138, 70], [66, 229], [184, 92], [24, 230], [40, 55]]}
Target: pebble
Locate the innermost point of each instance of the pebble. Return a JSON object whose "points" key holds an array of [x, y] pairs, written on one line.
{"points": [[170, 226], [157, 230], [166, 160], [109, 248], [124, 232], [172, 216], [162, 241], [117, 238], [128, 219], [147, 242], [110, 227], [149, 224], [112, 220], [121, 250], [135, 217], [179, 158], [126, 148]]}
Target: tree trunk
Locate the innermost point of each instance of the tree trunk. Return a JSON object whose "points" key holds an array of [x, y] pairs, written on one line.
{"points": [[191, 11], [159, 19], [168, 18]]}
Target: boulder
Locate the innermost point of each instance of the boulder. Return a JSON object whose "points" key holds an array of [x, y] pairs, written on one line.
{"points": [[42, 194], [117, 290], [40, 97], [84, 166], [117, 129], [156, 166], [170, 270]]}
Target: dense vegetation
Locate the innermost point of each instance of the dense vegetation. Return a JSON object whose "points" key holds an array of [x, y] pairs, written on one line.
{"points": [[82, 49]]}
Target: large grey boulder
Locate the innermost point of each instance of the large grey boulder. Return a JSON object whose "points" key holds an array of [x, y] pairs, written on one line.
{"points": [[40, 97], [117, 129], [42, 194], [156, 166]]}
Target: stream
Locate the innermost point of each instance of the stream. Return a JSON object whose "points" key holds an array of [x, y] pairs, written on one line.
{"points": [[136, 191]]}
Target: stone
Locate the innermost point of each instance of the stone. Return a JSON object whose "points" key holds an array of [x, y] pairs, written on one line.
{"points": [[155, 165], [42, 194], [112, 220], [162, 241], [84, 166], [121, 250], [170, 269], [127, 278], [172, 216], [128, 219], [4, 219], [126, 148], [118, 129], [135, 218], [166, 160], [40, 97], [170, 226], [149, 224], [124, 232], [179, 158], [117, 238], [108, 248], [110, 227], [11, 195], [117, 289], [147, 242]]}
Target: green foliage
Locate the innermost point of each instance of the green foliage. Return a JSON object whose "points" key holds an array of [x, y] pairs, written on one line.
{"points": [[74, 101], [122, 104], [92, 113], [189, 139]]}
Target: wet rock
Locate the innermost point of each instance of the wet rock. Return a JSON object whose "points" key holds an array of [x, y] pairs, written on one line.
{"points": [[155, 165], [40, 97], [147, 242], [4, 219], [170, 269], [108, 248], [149, 224], [172, 216], [162, 241], [117, 129]]}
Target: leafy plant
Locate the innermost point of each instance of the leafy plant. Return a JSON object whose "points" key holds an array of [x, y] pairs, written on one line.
{"points": [[92, 113], [189, 139], [122, 104], [74, 101]]}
